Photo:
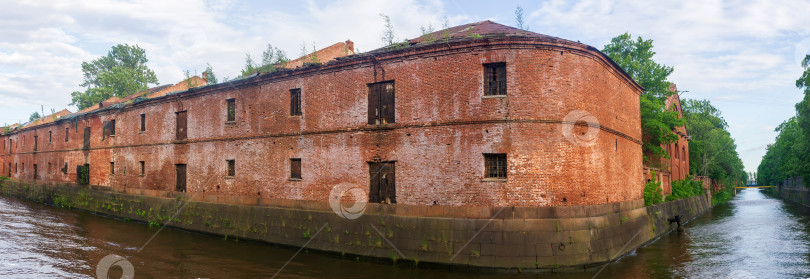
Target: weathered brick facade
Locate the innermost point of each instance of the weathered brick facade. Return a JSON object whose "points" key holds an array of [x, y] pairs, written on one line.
{"points": [[444, 124]]}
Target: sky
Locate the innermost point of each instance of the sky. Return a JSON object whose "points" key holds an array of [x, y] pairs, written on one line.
{"points": [[743, 56]]}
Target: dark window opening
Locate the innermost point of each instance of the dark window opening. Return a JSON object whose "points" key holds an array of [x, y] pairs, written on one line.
{"points": [[108, 129], [35, 172], [231, 109], [182, 121], [295, 101], [142, 166], [295, 168], [381, 103], [231, 167], [112, 167], [64, 169], [86, 138], [36, 143], [495, 165], [50, 137], [67, 135], [83, 174], [49, 168], [181, 177], [495, 79], [382, 183], [143, 122]]}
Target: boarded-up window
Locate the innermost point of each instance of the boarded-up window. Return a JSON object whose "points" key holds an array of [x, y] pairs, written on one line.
{"points": [[381, 103], [295, 101], [112, 167], [231, 167], [86, 138], [295, 168], [495, 165], [382, 184], [143, 122], [182, 132], [231, 110], [495, 79], [142, 166]]}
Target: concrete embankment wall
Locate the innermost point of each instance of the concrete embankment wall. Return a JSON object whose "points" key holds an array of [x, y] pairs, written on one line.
{"points": [[528, 238], [793, 189]]}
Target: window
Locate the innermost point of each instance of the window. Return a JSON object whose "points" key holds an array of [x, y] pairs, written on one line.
{"points": [[231, 110], [67, 133], [112, 167], [49, 168], [142, 166], [35, 172], [295, 101], [231, 168], [295, 168], [495, 165], [495, 79], [36, 143], [64, 169], [109, 129], [181, 132], [143, 122], [381, 107], [50, 137]]}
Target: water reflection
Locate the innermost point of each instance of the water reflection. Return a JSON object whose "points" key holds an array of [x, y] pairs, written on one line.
{"points": [[753, 234]]}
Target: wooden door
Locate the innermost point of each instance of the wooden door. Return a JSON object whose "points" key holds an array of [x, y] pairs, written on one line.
{"points": [[382, 186], [181, 177], [182, 128]]}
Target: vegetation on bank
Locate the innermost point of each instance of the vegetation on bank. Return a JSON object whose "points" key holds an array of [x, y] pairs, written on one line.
{"points": [[789, 155]]}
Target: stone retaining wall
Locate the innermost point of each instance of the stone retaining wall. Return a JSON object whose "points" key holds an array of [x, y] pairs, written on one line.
{"points": [[525, 238]]}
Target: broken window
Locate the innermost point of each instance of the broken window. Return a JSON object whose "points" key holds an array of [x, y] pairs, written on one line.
{"points": [[381, 103], [295, 168], [495, 165], [142, 166], [495, 79], [295, 101], [108, 129], [143, 122], [112, 167], [231, 110], [231, 168]]}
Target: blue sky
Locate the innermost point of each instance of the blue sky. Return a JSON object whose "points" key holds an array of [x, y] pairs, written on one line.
{"points": [[743, 56]]}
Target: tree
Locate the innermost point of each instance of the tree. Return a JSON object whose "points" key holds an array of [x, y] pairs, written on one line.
{"points": [[209, 72], [657, 123], [388, 34], [519, 19], [120, 73], [34, 116]]}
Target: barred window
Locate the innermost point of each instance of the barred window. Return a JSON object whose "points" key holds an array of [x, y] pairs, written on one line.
{"points": [[495, 165], [295, 101], [495, 79]]}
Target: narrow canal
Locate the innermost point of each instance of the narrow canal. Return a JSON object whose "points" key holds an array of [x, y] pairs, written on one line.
{"points": [[753, 236]]}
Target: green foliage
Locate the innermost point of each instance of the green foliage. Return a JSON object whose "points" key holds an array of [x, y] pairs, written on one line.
{"points": [[685, 188], [120, 73], [636, 58], [388, 33], [209, 72], [34, 116], [712, 150], [789, 156], [722, 196], [270, 58], [652, 191]]}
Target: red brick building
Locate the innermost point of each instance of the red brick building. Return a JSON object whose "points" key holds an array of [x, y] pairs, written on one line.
{"points": [[677, 166], [478, 114]]}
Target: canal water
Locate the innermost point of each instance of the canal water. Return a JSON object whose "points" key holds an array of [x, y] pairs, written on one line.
{"points": [[753, 236]]}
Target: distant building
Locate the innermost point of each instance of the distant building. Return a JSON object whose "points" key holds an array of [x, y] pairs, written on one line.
{"points": [[677, 166]]}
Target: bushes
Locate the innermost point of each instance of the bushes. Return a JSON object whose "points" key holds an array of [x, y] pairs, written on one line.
{"points": [[685, 188], [652, 191]]}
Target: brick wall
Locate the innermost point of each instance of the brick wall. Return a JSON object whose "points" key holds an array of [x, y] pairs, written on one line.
{"points": [[443, 127]]}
